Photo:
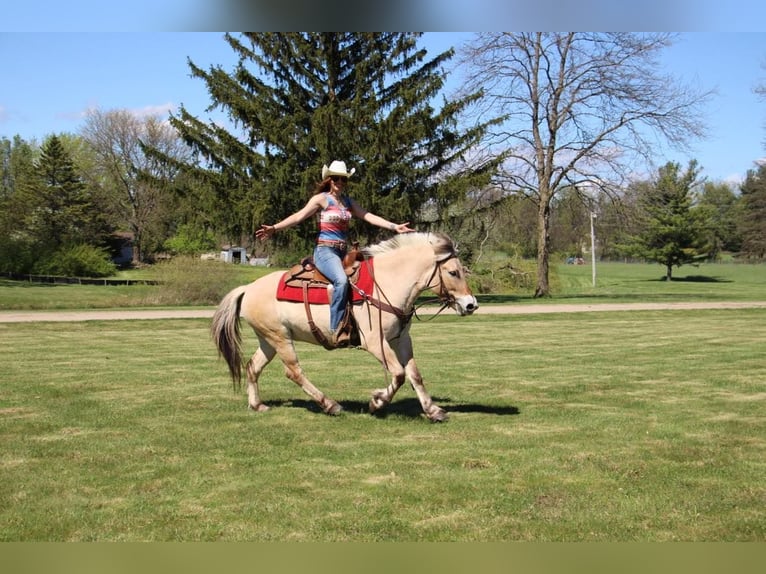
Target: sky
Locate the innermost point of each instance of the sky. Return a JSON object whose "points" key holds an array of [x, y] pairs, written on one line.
{"points": [[51, 78]]}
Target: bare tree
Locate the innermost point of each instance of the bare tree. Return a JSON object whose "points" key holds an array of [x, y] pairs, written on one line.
{"points": [[580, 109], [760, 90], [119, 139]]}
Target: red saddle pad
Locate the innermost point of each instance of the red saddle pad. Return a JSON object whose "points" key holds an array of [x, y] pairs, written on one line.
{"points": [[318, 294]]}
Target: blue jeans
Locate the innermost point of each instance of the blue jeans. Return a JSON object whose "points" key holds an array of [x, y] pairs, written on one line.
{"points": [[329, 261]]}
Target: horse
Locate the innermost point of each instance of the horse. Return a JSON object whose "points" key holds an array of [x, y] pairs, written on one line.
{"points": [[404, 267]]}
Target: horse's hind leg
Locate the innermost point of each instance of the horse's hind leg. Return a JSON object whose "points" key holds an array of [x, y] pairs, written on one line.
{"points": [[255, 366], [294, 372]]}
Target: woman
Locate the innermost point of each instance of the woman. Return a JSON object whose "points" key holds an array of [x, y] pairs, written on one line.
{"points": [[335, 210]]}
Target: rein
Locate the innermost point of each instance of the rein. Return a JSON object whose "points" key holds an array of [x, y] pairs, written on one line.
{"points": [[403, 316], [444, 298], [441, 296]]}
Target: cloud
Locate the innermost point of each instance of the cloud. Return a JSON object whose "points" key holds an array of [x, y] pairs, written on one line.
{"points": [[4, 115], [156, 110], [734, 179]]}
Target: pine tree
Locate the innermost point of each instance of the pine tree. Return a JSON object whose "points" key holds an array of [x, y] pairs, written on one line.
{"points": [[301, 100], [16, 168], [752, 224], [55, 198], [675, 231]]}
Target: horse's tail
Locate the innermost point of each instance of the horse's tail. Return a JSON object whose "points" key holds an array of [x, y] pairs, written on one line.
{"points": [[226, 333]]}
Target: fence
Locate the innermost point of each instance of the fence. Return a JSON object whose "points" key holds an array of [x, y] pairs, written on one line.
{"points": [[75, 280]]}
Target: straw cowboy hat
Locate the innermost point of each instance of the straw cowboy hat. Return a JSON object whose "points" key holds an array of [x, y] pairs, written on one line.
{"points": [[337, 168]]}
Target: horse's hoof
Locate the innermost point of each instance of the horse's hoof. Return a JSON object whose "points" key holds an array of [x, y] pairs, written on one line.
{"points": [[334, 409], [438, 415], [259, 408], [377, 402]]}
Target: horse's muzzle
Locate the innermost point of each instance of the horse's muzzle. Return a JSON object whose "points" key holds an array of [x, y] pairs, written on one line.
{"points": [[466, 305]]}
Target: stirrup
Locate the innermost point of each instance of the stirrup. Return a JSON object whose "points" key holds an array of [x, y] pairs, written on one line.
{"points": [[341, 339]]}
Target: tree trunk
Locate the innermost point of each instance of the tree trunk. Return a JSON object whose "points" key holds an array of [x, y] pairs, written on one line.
{"points": [[543, 236], [669, 273], [138, 255]]}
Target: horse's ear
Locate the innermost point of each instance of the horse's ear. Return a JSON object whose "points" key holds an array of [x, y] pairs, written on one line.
{"points": [[441, 258]]}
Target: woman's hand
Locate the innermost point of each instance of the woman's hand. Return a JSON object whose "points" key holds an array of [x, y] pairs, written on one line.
{"points": [[265, 232], [403, 228]]}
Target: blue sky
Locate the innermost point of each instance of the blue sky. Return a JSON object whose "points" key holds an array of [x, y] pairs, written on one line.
{"points": [[49, 80]]}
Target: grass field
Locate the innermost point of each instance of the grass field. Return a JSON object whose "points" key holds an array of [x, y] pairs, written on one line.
{"points": [[640, 426], [616, 282]]}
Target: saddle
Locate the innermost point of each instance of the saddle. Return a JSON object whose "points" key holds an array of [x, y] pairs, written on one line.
{"points": [[306, 271], [305, 283]]}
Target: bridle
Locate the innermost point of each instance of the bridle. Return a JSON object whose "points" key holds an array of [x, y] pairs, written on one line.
{"points": [[383, 304], [442, 296]]}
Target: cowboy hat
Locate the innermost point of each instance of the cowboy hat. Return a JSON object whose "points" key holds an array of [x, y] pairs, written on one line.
{"points": [[337, 168]]}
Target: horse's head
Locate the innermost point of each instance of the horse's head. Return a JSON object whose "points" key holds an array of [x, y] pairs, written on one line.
{"points": [[452, 287], [443, 273]]}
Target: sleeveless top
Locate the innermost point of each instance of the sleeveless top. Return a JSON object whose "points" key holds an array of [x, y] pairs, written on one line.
{"points": [[334, 219]]}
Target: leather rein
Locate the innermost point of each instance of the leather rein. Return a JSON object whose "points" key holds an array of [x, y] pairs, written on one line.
{"points": [[406, 316]]}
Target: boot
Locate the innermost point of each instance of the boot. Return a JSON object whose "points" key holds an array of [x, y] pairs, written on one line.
{"points": [[340, 338]]}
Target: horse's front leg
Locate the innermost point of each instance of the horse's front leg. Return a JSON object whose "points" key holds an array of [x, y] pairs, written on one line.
{"points": [[401, 364], [434, 412]]}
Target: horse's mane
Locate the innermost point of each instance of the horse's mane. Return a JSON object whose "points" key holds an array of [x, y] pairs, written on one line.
{"points": [[439, 242]]}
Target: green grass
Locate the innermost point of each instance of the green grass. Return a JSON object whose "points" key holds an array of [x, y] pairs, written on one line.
{"points": [[641, 426], [644, 282], [615, 282], [182, 287]]}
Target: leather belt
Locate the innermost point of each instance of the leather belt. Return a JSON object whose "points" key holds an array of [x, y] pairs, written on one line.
{"points": [[342, 245]]}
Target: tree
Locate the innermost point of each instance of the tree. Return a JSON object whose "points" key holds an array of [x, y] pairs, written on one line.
{"points": [[138, 179], [752, 224], [300, 100], [760, 89], [676, 232], [57, 204], [17, 168], [578, 108], [723, 207]]}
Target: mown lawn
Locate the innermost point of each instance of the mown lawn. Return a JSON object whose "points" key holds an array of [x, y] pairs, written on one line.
{"points": [[615, 282], [639, 426]]}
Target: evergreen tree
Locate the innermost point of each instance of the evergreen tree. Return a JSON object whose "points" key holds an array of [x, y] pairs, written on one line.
{"points": [[55, 199], [675, 232], [16, 169], [722, 206], [752, 223], [301, 100]]}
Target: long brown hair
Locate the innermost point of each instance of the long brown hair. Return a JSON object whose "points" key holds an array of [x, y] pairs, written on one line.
{"points": [[323, 186]]}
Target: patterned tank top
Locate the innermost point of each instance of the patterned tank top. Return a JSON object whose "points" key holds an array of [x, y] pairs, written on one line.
{"points": [[334, 219]]}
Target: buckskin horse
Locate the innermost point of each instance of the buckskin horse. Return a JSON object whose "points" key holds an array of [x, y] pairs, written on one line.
{"points": [[402, 268]]}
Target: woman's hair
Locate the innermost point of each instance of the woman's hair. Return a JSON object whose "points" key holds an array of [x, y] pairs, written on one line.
{"points": [[323, 185]]}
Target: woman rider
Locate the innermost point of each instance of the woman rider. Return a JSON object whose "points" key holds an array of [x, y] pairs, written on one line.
{"points": [[335, 210]]}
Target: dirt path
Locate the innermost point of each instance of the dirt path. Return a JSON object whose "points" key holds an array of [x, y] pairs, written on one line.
{"points": [[510, 309]]}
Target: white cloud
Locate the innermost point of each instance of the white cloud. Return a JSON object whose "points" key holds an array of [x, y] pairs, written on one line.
{"points": [[150, 111], [734, 179]]}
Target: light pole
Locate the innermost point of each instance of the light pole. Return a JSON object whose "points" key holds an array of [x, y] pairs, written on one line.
{"points": [[588, 190], [592, 247]]}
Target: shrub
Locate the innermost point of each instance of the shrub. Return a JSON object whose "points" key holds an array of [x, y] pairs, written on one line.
{"points": [[510, 276], [77, 261], [186, 280], [190, 241], [16, 256]]}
